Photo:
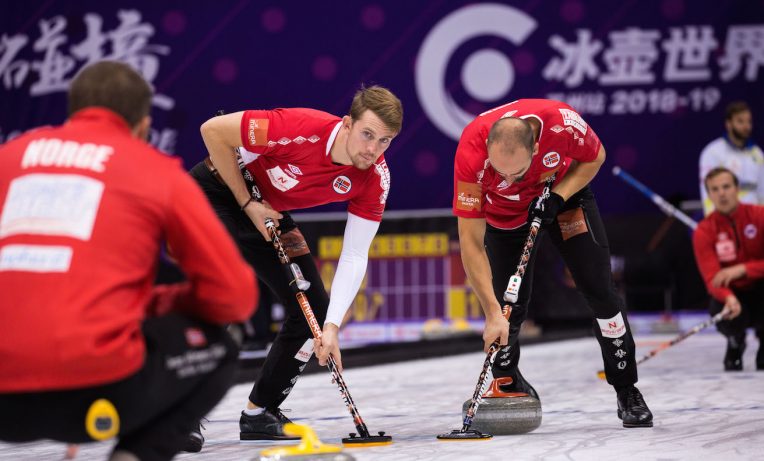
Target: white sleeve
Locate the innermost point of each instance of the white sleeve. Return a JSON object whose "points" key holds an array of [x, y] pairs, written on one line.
{"points": [[359, 233], [708, 161]]}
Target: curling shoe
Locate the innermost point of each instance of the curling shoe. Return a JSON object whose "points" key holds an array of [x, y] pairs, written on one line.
{"points": [[519, 384], [195, 440], [632, 409], [733, 358], [268, 425]]}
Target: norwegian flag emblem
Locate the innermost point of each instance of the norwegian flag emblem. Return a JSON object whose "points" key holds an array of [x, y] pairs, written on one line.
{"points": [[341, 184], [195, 337], [551, 159]]}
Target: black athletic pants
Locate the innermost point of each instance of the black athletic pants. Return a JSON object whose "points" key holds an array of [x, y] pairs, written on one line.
{"points": [[579, 235], [284, 363], [751, 315], [151, 412]]}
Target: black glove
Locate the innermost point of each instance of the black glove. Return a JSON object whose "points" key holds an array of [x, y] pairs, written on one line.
{"points": [[547, 210]]}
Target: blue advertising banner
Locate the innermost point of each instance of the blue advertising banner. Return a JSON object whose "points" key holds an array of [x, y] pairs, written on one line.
{"points": [[652, 78]]}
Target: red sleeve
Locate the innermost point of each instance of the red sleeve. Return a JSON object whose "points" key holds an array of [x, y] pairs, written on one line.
{"points": [[370, 203], [469, 163], [223, 286], [755, 269], [166, 298], [705, 255]]}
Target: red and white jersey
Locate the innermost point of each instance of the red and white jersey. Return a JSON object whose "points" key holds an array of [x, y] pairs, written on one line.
{"points": [[85, 207], [726, 240], [288, 153], [480, 192]]}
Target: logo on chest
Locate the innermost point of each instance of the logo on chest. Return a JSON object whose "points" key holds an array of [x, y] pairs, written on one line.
{"points": [[551, 159], [571, 118], [280, 179], [725, 248], [750, 231], [342, 184]]}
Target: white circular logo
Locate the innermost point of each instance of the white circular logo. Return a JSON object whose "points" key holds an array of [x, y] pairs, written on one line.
{"points": [[551, 159], [750, 231], [341, 184], [486, 75]]}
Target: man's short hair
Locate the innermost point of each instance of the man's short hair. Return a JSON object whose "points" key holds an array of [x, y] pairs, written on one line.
{"points": [[113, 85], [511, 131], [734, 108], [382, 102], [716, 172]]}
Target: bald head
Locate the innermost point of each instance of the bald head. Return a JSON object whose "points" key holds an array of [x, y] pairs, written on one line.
{"points": [[509, 133]]}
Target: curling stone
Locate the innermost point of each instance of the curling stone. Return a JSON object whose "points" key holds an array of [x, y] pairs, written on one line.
{"points": [[505, 413], [309, 449]]}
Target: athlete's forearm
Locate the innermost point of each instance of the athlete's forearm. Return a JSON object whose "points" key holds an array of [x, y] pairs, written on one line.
{"points": [[579, 175], [221, 135], [476, 266]]}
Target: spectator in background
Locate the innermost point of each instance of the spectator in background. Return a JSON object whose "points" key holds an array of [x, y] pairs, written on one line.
{"points": [[729, 249], [736, 151], [90, 349]]}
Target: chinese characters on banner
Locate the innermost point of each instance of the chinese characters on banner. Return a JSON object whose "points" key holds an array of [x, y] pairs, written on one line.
{"points": [[632, 58], [56, 60]]}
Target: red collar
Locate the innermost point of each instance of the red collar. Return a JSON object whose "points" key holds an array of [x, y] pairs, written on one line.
{"points": [[100, 114]]}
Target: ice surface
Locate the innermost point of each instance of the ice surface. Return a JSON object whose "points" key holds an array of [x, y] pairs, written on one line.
{"points": [[700, 411]]}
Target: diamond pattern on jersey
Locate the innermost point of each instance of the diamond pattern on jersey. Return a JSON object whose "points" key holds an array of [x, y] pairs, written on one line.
{"points": [[298, 140]]}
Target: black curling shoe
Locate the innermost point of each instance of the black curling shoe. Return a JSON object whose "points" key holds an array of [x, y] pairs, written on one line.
{"points": [[632, 408]]}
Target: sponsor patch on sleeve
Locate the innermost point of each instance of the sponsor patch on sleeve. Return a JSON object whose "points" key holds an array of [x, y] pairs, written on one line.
{"points": [[469, 196], [613, 327], [257, 132]]}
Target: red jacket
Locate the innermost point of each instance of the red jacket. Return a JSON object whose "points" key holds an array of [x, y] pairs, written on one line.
{"points": [[726, 240], [84, 209]]}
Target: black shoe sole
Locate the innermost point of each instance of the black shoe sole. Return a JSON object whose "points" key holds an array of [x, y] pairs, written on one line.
{"points": [[650, 424], [262, 436], [625, 424]]}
